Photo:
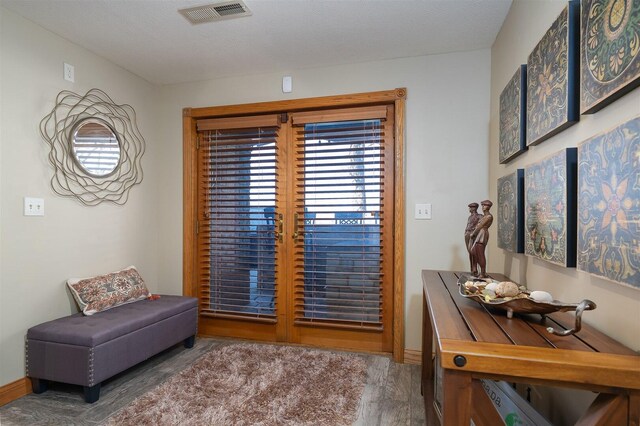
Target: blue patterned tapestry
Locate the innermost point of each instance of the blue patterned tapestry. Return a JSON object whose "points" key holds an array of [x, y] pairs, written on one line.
{"points": [[550, 208], [510, 212], [512, 116], [609, 204], [552, 103], [610, 51]]}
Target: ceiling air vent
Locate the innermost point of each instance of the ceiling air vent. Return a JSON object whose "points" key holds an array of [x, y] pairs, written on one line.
{"points": [[215, 12]]}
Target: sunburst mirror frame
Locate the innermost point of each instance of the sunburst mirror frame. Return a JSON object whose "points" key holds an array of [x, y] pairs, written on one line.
{"points": [[70, 178]]}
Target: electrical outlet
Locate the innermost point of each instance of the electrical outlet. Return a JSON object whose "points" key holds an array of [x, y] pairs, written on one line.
{"points": [[33, 206], [423, 211], [69, 73]]}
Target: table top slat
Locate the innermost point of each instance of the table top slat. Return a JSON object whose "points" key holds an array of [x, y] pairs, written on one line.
{"points": [[592, 337], [446, 320], [518, 331], [482, 326], [539, 324], [533, 330]]}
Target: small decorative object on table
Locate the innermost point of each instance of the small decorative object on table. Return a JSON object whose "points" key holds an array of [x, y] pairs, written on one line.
{"points": [[479, 240], [512, 298], [472, 221]]}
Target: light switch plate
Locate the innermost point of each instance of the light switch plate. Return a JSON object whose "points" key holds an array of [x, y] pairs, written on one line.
{"points": [[33, 206], [423, 211]]}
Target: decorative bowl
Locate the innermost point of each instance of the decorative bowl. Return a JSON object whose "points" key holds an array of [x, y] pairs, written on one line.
{"points": [[527, 305]]}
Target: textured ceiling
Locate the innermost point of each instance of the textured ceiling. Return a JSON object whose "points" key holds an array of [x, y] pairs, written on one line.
{"points": [[151, 39]]}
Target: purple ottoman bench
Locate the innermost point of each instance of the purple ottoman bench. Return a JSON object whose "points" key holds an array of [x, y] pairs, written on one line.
{"points": [[85, 350]]}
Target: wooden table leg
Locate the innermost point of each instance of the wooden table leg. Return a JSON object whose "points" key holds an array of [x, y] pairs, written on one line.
{"points": [[483, 411], [427, 343], [426, 383], [634, 408], [609, 410], [456, 395]]}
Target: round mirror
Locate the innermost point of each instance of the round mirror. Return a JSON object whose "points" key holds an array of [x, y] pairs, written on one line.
{"points": [[95, 148]]}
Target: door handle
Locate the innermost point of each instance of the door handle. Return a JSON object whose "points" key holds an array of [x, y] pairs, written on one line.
{"points": [[295, 227], [280, 228]]}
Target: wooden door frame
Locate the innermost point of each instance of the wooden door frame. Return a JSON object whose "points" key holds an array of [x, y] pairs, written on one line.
{"points": [[189, 136]]}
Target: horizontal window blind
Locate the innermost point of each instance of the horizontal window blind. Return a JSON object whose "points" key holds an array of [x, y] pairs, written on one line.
{"points": [[236, 230], [339, 209]]}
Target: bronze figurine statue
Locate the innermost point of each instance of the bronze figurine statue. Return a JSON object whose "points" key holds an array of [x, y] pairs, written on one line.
{"points": [[474, 218], [480, 237]]}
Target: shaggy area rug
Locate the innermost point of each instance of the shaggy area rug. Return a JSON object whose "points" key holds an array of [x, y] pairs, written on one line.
{"points": [[255, 384]]}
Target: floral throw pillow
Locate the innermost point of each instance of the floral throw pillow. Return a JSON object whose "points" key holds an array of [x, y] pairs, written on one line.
{"points": [[107, 291]]}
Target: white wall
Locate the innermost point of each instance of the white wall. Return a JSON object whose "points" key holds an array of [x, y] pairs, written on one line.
{"points": [[618, 311], [447, 119], [38, 254]]}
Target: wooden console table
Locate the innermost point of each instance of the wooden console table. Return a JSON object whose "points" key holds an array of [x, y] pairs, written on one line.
{"points": [[473, 342]]}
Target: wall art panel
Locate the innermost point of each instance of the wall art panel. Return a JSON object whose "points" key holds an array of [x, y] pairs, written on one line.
{"points": [[511, 212], [609, 51], [552, 76], [513, 104], [609, 204], [550, 208]]}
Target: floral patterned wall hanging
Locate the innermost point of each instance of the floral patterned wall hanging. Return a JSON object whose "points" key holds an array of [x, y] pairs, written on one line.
{"points": [[513, 104], [550, 208], [609, 204], [511, 212], [609, 51], [552, 70]]}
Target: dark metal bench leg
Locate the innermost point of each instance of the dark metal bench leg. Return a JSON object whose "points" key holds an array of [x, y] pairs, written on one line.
{"points": [[91, 393], [190, 341], [39, 385]]}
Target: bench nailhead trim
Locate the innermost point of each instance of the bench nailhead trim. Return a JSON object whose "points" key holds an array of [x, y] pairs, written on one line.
{"points": [[91, 366], [26, 357]]}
